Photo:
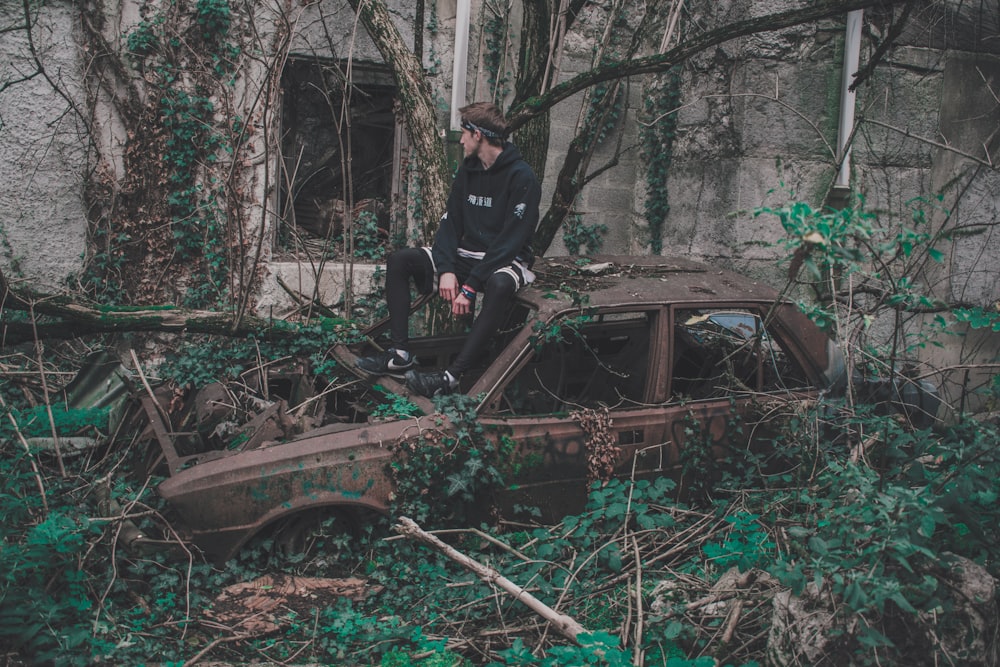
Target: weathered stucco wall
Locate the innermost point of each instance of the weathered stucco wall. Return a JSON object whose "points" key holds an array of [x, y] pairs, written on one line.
{"points": [[43, 220]]}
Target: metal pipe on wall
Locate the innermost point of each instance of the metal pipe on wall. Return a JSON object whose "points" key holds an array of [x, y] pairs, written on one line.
{"points": [[845, 126], [460, 65]]}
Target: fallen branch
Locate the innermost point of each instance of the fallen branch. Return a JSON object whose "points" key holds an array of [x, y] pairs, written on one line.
{"points": [[566, 626], [67, 318]]}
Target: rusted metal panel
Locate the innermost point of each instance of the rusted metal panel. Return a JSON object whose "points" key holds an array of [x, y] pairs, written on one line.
{"points": [[226, 500]]}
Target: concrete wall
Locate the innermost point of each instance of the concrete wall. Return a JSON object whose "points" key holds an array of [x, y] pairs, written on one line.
{"points": [[759, 124]]}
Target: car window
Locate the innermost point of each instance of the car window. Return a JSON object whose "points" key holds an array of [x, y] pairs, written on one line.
{"points": [[719, 353], [583, 361]]}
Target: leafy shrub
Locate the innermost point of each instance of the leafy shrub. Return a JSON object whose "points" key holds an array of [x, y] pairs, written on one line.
{"points": [[445, 477], [369, 239]]}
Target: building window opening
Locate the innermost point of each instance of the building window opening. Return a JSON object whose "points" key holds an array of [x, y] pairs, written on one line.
{"points": [[341, 144]]}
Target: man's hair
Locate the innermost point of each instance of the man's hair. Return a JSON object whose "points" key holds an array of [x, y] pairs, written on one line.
{"points": [[488, 119]]}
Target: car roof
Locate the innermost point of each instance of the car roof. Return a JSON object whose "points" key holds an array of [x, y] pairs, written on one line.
{"points": [[610, 280]]}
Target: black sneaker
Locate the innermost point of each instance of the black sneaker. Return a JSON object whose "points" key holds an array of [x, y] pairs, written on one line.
{"points": [[431, 384], [385, 363]]}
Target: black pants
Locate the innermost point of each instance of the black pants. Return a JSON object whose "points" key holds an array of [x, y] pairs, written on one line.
{"points": [[414, 263]]}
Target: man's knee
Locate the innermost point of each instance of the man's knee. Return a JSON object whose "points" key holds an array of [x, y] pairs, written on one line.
{"points": [[406, 263], [501, 285], [397, 259]]}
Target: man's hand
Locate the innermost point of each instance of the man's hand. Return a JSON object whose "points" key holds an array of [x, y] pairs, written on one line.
{"points": [[461, 305], [448, 288]]}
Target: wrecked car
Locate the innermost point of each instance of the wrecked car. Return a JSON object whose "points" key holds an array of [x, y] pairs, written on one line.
{"points": [[662, 344]]}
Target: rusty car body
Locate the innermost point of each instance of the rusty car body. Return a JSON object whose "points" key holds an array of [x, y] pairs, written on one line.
{"points": [[660, 342]]}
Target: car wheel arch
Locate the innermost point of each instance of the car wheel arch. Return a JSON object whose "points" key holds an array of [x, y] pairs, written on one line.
{"points": [[272, 520]]}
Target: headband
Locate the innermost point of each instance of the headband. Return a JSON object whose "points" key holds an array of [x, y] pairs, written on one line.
{"points": [[489, 134]]}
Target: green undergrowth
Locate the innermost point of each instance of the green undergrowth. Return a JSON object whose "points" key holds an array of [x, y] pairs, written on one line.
{"points": [[197, 361], [871, 512]]}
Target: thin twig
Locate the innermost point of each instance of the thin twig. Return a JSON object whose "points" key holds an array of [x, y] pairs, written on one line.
{"points": [[27, 449], [732, 621], [212, 644], [45, 393], [937, 144], [637, 650]]}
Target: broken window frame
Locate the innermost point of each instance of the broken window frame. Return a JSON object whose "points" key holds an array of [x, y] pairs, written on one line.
{"points": [[761, 343], [291, 237]]}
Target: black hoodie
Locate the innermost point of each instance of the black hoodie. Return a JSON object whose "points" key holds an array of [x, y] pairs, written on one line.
{"points": [[491, 210]]}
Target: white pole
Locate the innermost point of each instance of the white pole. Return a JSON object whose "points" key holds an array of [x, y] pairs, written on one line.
{"points": [[852, 57], [462, 13]]}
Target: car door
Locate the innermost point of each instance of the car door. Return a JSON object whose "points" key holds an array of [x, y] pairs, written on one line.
{"points": [[601, 368], [727, 368]]}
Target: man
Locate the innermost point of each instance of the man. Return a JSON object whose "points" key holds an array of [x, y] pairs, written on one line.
{"points": [[482, 247]]}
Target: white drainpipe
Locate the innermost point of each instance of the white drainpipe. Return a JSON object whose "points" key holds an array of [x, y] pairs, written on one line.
{"points": [[852, 57], [463, 11]]}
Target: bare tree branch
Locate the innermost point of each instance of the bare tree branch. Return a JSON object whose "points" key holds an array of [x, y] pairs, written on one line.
{"points": [[567, 626], [663, 61], [987, 162]]}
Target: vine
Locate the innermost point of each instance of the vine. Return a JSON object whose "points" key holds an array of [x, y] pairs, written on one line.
{"points": [[455, 469], [495, 32], [578, 236], [658, 136], [171, 212]]}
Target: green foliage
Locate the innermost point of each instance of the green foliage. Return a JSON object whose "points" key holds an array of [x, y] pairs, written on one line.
{"points": [[600, 648], [422, 652], [46, 600], [547, 333], [748, 544], [839, 498], [874, 537], [604, 110], [978, 318], [830, 243], [369, 241], [662, 102], [577, 235], [197, 362], [144, 38], [394, 407], [214, 17], [831, 248], [184, 79], [496, 30], [34, 422], [197, 216], [704, 474], [445, 477]]}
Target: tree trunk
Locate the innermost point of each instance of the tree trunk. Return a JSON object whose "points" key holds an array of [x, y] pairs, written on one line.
{"points": [[533, 138], [567, 187], [527, 109], [418, 109]]}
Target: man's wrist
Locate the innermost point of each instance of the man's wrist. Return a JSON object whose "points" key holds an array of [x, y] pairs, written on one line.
{"points": [[467, 292]]}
